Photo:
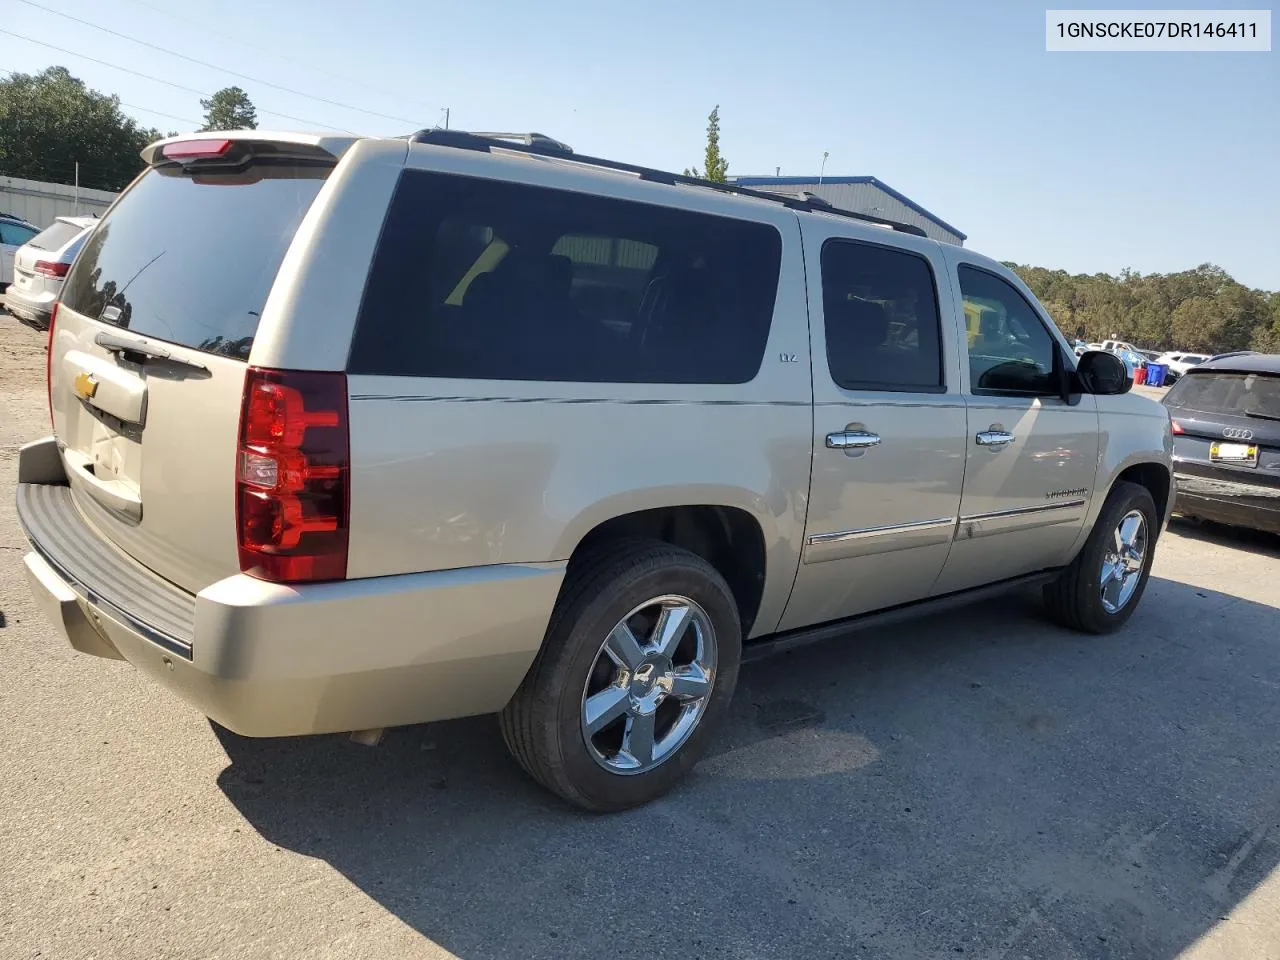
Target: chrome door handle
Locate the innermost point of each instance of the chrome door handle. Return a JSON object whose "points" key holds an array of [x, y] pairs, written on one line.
{"points": [[852, 440], [994, 438]]}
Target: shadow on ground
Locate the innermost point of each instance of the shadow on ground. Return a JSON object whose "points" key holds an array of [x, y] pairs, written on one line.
{"points": [[980, 784], [1238, 538]]}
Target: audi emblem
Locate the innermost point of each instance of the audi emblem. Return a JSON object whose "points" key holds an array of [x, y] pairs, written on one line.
{"points": [[1237, 433]]}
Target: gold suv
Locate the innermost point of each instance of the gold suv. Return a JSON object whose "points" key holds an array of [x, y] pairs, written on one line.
{"points": [[351, 433]]}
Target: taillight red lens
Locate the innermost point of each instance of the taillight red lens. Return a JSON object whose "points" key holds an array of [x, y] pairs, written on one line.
{"points": [[48, 361], [1176, 427], [52, 268], [194, 149], [293, 476]]}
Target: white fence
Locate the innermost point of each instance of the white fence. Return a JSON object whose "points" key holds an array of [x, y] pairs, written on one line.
{"points": [[40, 203]]}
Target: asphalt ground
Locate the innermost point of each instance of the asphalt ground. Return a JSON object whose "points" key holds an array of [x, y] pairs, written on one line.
{"points": [[980, 784]]}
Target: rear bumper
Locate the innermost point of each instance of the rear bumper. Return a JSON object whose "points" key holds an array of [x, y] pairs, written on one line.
{"points": [[266, 659], [33, 311], [1228, 501]]}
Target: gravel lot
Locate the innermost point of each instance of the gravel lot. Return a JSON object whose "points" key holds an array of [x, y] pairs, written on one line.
{"points": [[979, 783]]}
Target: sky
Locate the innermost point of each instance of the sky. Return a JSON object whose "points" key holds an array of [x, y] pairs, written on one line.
{"points": [[1088, 162]]}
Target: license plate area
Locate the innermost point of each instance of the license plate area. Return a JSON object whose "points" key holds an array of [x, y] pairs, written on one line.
{"points": [[1241, 454]]}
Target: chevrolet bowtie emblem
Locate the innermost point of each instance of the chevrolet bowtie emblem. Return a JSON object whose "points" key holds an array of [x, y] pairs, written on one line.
{"points": [[86, 386]]}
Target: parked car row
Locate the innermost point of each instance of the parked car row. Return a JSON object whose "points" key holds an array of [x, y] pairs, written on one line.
{"points": [[1176, 362]]}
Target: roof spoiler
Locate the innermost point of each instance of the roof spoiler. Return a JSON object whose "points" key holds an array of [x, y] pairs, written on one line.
{"points": [[303, 146]]}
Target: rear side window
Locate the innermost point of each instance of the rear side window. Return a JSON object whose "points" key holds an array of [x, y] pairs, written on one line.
{"points": [[880, 309], [482, 279], [1232, 394], [190, 259], [53, 237]]}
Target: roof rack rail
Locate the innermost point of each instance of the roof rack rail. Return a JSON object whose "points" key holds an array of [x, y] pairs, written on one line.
{"points": [[540, 140], [538, 144]]}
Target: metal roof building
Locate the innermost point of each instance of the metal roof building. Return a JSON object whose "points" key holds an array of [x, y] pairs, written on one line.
{"points": [[861, 195]]}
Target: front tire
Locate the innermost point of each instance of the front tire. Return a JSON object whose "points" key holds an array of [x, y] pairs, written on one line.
{"points": [[636, 672], [1101, 588]]}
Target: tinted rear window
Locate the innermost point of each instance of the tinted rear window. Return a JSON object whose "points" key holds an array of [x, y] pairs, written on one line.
{"points": [[191, 259], [1233, 394], [53, 237], [484, 279]]}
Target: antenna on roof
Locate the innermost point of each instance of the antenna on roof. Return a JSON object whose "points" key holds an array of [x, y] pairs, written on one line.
{"points": [[822, 169]]}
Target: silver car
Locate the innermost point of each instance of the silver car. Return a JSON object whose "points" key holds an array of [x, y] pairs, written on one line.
{"points": [[351, 433]]}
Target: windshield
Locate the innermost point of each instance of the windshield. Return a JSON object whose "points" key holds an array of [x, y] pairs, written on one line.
{"points": [[191, 259], [1233, 394]]}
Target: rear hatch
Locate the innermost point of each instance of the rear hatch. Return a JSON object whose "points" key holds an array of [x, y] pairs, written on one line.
{"points": [[1226, 426], [150, 342]]}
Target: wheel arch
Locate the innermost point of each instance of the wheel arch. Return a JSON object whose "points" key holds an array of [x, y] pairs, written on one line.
{"points": [[730, 537], [1158, 480]]}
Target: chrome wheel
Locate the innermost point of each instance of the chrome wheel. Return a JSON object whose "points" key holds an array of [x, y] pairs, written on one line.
{"points": [[649, 685], [1123, 562]]}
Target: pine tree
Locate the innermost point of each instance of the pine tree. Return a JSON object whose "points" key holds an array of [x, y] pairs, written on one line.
{"points": [[715, 167]]}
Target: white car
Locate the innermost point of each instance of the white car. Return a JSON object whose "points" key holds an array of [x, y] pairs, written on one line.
{"points": [[1119, 347], [1179, 363], [41, 265], [13, 234]]}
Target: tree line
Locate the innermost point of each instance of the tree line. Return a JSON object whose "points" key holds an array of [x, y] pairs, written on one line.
{"points": [[50, 122], [1203, 309]]}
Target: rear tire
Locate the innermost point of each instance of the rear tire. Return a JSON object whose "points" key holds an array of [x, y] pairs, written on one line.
{"points": [[1101, 588], [609, 715]]}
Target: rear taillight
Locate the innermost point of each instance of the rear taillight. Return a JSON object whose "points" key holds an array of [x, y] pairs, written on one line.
{"points": [[293, 476], [49, 362], [52, 268], [1176, 427]]}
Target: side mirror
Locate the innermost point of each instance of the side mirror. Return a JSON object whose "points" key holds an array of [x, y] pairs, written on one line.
{"points": [[1103, 373]]}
